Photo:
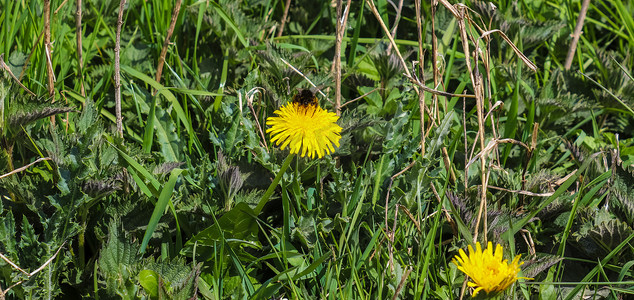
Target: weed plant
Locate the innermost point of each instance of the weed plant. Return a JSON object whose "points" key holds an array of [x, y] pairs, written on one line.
{"points": [[135, 161]]}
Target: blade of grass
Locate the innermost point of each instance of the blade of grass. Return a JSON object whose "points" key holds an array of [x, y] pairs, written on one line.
{"points": [[594, 271], [223, 79], [609, 92], [163, 200], [246, 282], [172, 99], [148, 136], [355, 36], [202, 7], [221, 12], [164, 139], [627, 19], [276, 181]]}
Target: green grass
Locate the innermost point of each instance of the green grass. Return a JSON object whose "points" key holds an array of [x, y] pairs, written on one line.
{"points": [[195, 200]]}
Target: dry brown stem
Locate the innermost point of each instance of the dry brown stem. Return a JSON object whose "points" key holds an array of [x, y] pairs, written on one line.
{"points": [[117, 70], [166, 43], [577, 34], [80, 57], [434, 57], [414, 79], [29, 275], [527, 193], [421, 65], [305, 78], [476, 81], [398, 9], [452, 223], [342, 20], [389, 36], [47, 53], [18, 170], [390, 234], [360, 97], [517, 51], [401, 284], [60, 6], [253, 92], [287, 5]]}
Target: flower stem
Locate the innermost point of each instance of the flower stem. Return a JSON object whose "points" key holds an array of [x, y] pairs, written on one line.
{"points": [[274, 184]]}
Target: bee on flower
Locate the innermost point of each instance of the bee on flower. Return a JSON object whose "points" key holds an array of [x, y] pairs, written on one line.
{"points": [[304, 127]]}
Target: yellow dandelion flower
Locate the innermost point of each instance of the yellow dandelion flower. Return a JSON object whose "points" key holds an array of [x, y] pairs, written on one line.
{"points": [[306, 127], [487, 269]]}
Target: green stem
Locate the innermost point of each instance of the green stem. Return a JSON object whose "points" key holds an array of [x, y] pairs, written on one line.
{"points": [[274, 184]]}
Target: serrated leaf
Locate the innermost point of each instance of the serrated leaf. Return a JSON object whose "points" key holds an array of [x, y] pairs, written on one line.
{"points": [[7, 234], [118, 262], [610, 234]]}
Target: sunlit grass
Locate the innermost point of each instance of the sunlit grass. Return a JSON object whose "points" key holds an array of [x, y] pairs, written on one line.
{"points": [[198, 198]]}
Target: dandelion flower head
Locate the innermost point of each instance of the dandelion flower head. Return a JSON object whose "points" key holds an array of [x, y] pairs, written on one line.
{"points": [[306, 127], [487, 269]]}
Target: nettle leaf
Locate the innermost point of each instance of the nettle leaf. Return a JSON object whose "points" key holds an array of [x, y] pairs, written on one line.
{"points": [[539, 263], [119, 262], [171, 278], [20, 109], [7, 235], [610, 234], [34, 113], [89, 116], [29, 245], [533, 32], [621, 197], [600, 233], [99, 188], [136, 56]]}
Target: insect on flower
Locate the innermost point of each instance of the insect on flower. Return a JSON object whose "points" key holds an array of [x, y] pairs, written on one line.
{"points": [[306, 98], [305, 127]]}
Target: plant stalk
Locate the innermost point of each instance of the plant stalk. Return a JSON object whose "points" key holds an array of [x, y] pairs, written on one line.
{"points": [[274, 184]]}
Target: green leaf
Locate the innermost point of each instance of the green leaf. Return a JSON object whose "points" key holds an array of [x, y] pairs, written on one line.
{"points": [[7, 234], [223, 80], [149, 281], [148, 136], [118, 263], [159, 208], [166, 135], [594, 271], [239, 223]]}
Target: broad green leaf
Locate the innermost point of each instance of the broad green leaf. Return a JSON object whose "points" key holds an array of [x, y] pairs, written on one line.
{"points": [[149, 281]]}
